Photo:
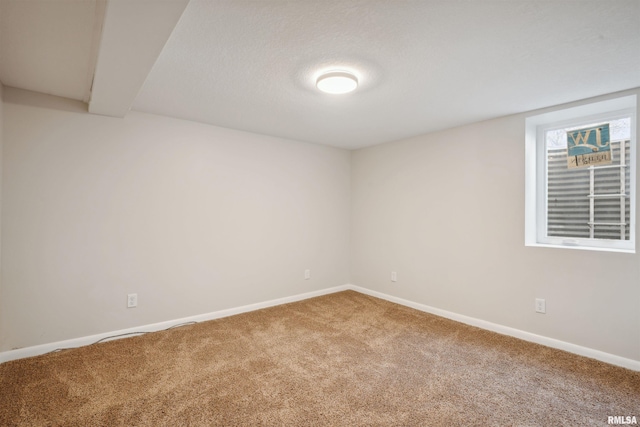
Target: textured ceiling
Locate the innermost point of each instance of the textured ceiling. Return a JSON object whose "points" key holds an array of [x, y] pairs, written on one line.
{"points": [[251, 65], [423, 65]]}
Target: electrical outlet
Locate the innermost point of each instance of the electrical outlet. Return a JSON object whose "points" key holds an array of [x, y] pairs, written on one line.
{"points": [[307, 274], [394, 276], [541, 306], [132, 300]]}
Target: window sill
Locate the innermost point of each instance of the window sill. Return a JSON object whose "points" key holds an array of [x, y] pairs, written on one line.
{"points": [[582, 248]]}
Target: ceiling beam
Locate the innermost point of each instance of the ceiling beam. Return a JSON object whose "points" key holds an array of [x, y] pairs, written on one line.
{"points": [[133, 35]]}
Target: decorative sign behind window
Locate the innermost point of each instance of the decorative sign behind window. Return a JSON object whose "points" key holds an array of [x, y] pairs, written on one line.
{"points": [[588, 146]]}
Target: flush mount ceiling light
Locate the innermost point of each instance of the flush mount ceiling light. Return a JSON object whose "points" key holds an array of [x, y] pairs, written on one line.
{"points": [[337, 82]]}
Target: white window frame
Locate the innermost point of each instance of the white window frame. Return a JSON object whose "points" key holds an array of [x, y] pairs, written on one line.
{"points": [[536, 171]]}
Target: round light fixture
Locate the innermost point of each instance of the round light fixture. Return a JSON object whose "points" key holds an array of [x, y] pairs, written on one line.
{"points": [[337, 82]]}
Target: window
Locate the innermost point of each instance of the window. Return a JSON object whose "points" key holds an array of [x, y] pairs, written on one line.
{"points": [[580, 177]]}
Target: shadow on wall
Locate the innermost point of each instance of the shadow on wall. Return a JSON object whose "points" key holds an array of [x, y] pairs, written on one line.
{"points": [[36, 99]]}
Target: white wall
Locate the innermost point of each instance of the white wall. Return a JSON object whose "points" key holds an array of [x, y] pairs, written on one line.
{"points": [[446, 211], [191, 217], [1, 149]]}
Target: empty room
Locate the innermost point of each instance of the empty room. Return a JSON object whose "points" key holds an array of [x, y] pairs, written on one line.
{"points": [[319, 213]]}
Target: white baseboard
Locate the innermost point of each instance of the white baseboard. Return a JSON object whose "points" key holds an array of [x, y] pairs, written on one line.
{"points": [[494, 327], [505, 330], [154, 327]]}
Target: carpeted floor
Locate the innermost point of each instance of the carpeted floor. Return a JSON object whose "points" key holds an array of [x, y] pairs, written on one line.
{"points": [[344, 359]]}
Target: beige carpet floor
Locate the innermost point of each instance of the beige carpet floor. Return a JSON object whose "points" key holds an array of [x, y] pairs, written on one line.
{"points": [[344, 359]]}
